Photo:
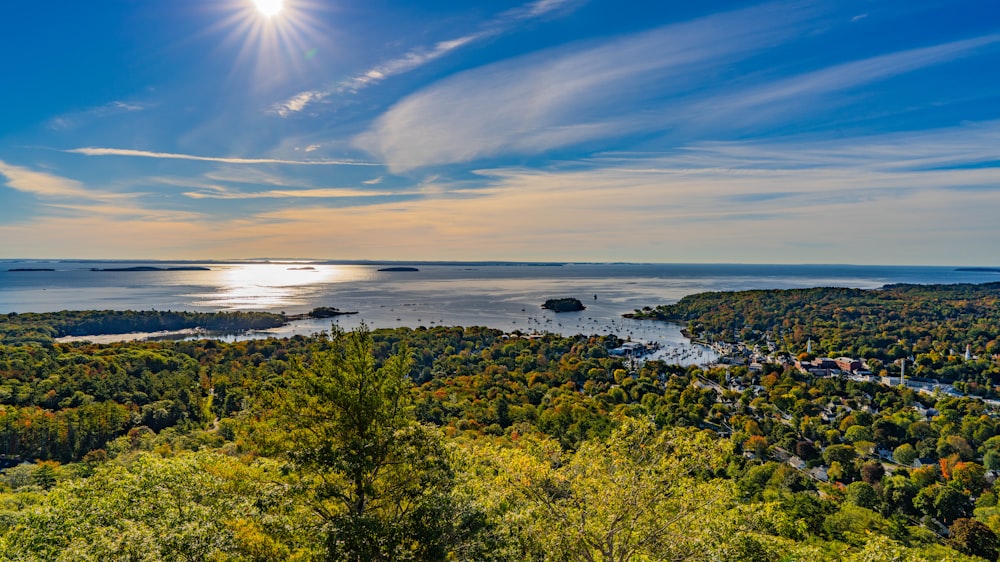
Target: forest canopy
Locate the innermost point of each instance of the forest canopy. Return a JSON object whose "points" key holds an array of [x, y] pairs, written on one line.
{"points": [[474, 444]]}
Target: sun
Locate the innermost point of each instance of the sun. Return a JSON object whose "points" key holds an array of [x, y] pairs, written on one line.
{"points": [[275, 35], [268, 8]]}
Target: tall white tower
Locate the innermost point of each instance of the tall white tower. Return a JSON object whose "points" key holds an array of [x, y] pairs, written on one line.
{"points": [[968, 352]]}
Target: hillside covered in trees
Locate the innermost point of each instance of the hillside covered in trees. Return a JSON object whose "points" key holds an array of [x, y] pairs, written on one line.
{"points": [[472, 444], [932, 324]]}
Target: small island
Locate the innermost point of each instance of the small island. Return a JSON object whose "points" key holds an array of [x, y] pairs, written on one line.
{"points": [[327, 312], [30, 269], [151, 268], [307, 268], [564, 305], [398, 269]]}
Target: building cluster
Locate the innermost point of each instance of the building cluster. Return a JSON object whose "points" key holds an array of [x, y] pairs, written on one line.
{"points": [[825, 367]]}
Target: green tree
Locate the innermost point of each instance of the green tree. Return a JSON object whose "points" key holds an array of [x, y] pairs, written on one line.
{"points": [[992, 459], [378, 481], [636, 495], [862, 494], [972, 537], [858, 433], [44, 475], [898, 493], [942, 502], [844, 454], [196, 506], [905, 454]]}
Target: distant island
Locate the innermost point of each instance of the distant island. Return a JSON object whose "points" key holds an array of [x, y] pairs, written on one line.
{"points": [[987, 269], [307, 268], [398, 269], [564, 305], [151, 268], [325, 312], [31, 269]]}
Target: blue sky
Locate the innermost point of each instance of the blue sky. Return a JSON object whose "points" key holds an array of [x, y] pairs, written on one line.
{"points": [[855, 131]]}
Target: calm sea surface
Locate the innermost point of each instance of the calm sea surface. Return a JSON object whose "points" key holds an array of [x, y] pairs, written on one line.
{"points": [[499, 296]]}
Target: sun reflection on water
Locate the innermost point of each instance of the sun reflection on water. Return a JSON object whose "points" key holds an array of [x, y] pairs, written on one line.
{"points": [[267, 286]]}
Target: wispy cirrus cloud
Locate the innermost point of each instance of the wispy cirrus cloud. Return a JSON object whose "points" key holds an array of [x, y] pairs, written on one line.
{"points": [[117, 107], [794, 200], [834, 195], [420, 56], [94, 151], [316, 193], [801, 91], [65, 197], [298, 102], [411, 60], [967, 151], [570, 94], [126, 212], [45, 184], [644, 82]]}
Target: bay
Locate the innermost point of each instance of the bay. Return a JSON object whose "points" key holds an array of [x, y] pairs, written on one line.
{"points": [[502, 296]]}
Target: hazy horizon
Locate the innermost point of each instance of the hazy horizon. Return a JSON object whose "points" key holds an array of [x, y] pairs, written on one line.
{"points": [[419, 261]]}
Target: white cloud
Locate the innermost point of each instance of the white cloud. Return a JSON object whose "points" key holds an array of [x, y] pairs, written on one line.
{"points": [[567, 95], [373, 181], [915, 197], [65, 197], [71, 120], [319, 193], [800, 92], [40, 183], [420, 56], [740, 202], [126, 212], [411, 60], [539, 8], [298, 102], [94, 151], [643, 82]]}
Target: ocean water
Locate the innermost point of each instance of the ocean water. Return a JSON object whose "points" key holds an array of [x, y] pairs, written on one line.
{"points": [[503, 296]]}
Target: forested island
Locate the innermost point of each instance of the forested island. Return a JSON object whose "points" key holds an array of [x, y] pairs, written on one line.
{"points": [[152, 268], [563, 305], [474, 444], [25, 269], [325, 312]]}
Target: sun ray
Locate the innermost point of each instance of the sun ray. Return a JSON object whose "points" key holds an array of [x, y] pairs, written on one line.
{"points": [[275, 37]]}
